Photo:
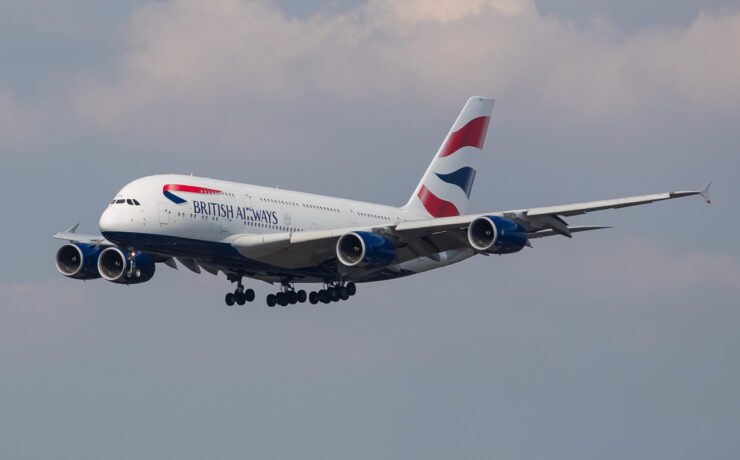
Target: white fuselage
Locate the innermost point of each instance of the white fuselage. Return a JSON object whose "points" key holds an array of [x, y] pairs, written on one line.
{"points": [[237, 210]]}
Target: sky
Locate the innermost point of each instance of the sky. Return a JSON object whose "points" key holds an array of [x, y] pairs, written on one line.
{"points": [[616, 344]]}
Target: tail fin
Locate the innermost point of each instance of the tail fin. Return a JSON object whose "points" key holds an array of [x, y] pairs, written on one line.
{"points": [[444, 190]]}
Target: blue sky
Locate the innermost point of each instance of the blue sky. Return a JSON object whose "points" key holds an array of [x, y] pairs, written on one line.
{"points": [[615, 344]]}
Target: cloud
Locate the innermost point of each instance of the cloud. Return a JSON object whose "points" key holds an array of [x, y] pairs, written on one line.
{"points": [[17, 121], [226, 64]]}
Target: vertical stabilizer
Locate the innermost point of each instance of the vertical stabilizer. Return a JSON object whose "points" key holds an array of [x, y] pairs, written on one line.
{"points": [[445, 189]]}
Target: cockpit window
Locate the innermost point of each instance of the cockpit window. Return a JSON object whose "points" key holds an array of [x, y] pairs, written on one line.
{"points": [[120, 201], [136, 203], [129, 202]]}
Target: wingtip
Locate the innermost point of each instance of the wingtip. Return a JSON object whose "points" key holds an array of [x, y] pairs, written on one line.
{"points": [[73, 228], [704, 192]]}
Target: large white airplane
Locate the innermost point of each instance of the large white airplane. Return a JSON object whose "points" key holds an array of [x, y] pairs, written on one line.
{"points": [[284, 237]]}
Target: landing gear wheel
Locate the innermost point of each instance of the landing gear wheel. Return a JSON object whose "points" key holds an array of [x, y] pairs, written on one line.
{"points": [[249, 295], [302, 296], [292, 297], [343, 293], [324, 296], [334, 294], [281, 299], [271, 300], [313, 297], [241, 298], [230, 299], [351, 289]]}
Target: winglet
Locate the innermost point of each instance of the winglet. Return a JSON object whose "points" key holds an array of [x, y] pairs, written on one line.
{"points": [[704, 192], [73, 228]]}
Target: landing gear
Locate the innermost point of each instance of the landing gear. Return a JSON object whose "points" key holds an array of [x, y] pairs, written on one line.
{"points": [[288, 296], [271, 300], [240, 296], [333, 293]]}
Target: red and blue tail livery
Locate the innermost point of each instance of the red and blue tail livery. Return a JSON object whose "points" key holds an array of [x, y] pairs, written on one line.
{"points": [[445, 189], [167, 190], [287, 239]]}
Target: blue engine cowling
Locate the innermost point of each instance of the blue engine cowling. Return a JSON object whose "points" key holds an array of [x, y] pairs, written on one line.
{"points": [[365, 250], [78, 260], [496, 235], [119, 265]]}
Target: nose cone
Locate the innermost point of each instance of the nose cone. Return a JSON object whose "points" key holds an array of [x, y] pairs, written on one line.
{"points": [[108, 221]]}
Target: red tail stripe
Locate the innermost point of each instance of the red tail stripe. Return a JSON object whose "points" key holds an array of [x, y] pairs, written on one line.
{"points": [[437, 207], [188, 188], [471, 135]]}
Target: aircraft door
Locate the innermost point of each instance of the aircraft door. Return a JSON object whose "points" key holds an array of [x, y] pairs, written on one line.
{"points": [[164, 214]]}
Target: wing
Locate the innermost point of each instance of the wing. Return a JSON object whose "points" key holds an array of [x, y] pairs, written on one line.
{"points": [[72, 236], [429, 238]]}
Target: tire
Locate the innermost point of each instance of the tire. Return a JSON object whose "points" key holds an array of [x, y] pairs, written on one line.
{"points": [[351, 289], [230, 299], [241, 298], [271, 300], [280, 298], [249, 295], [324, 296], [292, 298], [343, 293], [313, 297], [334, 294], [302, 296]]}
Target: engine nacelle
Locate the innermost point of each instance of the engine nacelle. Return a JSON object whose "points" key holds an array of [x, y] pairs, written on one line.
{"points": [[78, 260], [496, 235], [365, 250], [120, 266]]}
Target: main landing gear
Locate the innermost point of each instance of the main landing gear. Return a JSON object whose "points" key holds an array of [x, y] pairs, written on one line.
{"points": [[240, 296], [333, 292], [288, 296]]}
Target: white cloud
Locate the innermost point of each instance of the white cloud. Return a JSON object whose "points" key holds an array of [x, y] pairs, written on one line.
{"points": [[193, 63], [17, 122]]}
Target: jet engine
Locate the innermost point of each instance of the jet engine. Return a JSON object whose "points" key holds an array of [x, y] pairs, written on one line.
{"points": [[496, 235], [78, 260], [365, 250], [125, 267]]}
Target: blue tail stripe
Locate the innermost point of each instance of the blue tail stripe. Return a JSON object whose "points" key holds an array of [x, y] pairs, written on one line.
{"points": [[463, 178], [174, 198]]}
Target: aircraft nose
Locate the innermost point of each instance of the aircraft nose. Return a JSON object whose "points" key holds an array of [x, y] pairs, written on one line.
{"points": [[107, 221]]}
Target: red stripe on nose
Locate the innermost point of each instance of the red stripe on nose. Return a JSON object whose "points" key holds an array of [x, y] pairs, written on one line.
{"points": [[436, 206], [471, 135], [188, 188]]}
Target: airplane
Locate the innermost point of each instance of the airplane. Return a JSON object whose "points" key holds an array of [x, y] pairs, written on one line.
{"points": [[287, 238]]}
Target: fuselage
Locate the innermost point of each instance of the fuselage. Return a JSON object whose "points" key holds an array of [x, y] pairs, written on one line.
{"points": [[197, 217], [221, 209]]}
